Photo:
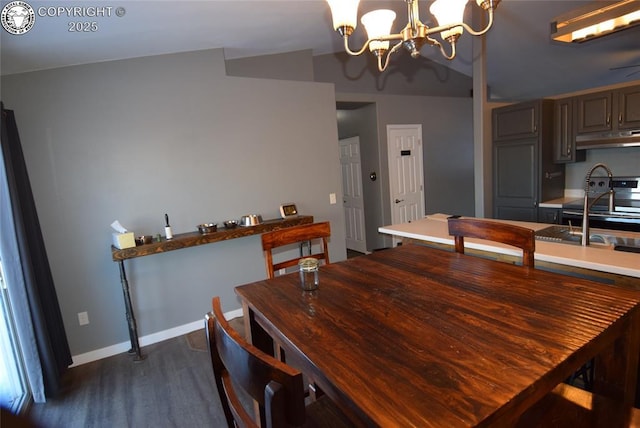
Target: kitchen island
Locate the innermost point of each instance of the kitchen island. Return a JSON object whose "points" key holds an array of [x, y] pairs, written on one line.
{"points": [[596, 261]]}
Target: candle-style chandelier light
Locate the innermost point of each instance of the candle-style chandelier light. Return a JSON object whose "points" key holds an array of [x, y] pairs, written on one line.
{"points": [[448, 13]]}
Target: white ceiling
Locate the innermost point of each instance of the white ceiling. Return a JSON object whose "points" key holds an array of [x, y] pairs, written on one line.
{"points": [[521, 61]]}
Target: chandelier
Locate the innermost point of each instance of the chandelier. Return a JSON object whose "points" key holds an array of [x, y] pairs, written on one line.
{"points": [[414, 35]]}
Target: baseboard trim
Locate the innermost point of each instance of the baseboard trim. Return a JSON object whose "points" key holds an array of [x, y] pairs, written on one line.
{"points": [[149, 339]]}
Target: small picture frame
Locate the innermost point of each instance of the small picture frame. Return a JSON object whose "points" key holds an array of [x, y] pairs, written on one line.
{"points": [[288, 210]]}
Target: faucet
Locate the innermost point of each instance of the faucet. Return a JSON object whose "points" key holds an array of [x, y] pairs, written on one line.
{"points": [[587, 206]]}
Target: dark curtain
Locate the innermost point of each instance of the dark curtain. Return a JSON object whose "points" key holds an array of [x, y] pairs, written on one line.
{"points": [[49, 333]]}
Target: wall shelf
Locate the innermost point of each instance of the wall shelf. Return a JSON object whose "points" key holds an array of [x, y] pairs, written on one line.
{"points": [[192, 239], [186, 240]]}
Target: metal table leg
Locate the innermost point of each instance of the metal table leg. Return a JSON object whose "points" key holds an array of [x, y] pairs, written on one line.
{"points": [[131, 319]]}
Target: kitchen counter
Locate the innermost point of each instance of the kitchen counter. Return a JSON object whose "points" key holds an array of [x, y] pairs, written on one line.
{"points": [[597, 257], [559, 202]]}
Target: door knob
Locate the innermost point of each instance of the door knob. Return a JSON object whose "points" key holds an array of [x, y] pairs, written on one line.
{"points": [[399, 200]]}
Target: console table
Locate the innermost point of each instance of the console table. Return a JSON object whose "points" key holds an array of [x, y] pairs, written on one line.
{"points": [[186, 240]]}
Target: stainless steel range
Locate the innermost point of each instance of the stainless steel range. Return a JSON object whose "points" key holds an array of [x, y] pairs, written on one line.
{"points": [[626, 212]]}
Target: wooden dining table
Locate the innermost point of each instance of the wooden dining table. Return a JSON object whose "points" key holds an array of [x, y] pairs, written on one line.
{"points": [[421, 337]]}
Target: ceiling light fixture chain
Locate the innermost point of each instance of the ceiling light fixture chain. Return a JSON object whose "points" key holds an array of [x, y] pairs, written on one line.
{"points": [[414, 35]]}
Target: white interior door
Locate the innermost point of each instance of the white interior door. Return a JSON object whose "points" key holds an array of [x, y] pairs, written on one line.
{"points": [[405, 172], [353, 200]]}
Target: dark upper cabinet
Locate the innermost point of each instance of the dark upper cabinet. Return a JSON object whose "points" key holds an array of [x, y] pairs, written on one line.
{"points": [[524, 173], [594, 112], [629, 108], [607, 111], [520, 121], [564, 132]]}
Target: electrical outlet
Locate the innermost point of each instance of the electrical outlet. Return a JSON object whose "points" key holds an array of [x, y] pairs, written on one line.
{"points": [[332, 198], [83, 318], [282, 271]]}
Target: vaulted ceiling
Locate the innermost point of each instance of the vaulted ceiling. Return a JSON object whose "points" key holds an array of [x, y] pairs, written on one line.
{"points": [[522, 62]]}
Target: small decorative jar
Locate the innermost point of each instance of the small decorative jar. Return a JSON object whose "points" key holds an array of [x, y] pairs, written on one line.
{"points": [[308, 273]]}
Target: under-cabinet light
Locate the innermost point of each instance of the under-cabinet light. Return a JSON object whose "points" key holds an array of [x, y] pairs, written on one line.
{"points": [[597, 19]]}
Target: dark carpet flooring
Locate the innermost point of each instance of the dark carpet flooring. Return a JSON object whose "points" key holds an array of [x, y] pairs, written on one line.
{"points": [[172, 387]]}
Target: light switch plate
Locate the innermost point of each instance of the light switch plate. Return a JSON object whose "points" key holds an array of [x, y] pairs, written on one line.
{"points": [[83, 318]]}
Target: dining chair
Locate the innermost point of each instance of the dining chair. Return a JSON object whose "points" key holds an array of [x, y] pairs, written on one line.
{"points": [[517, 236], [242, 370], [295, 235]]}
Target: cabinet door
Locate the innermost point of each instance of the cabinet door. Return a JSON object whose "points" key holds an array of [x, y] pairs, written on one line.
{"points": [[519, 121], [564, 132], [549, 215], [629, 108], [515, 181], [594, 112], [563, 135]]}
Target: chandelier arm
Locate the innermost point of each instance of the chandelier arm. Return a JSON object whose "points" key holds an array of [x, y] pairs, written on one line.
{"points": [[396, 47], [368, 42], [355, 53], [483, 31], [444, 53], [386, 61], [439, 29]]}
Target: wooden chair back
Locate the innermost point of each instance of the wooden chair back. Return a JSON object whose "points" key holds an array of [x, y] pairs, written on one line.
{"points": [[275, 386], [292, 235], [509, 234]]}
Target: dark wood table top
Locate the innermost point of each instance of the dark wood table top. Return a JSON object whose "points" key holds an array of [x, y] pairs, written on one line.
{"points": [[416, 336]]}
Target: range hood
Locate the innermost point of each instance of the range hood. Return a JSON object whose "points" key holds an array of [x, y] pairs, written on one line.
{"points": [[608, 140]]}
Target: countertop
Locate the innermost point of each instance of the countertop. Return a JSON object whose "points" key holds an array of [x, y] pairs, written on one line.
{"points": [[560, 202], [433, 228]]}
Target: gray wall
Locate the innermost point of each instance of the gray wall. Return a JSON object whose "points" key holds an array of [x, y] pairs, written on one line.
{"points": [[409, 92], [404, 76], [412, 92], [134, 139], [288, 66], [447, 146], [447, 129]]}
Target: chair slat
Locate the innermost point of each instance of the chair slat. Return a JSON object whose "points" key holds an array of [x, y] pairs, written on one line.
{"points": [[517, 236], [276, 387], [292, 235]]}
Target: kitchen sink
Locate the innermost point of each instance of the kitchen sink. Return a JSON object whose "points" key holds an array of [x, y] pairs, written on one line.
{"points": [[566, 234], [572, 235]]}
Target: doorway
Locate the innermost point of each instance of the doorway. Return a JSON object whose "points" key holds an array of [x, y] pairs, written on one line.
{"points": [[353, 198], [406, 177], [361, 119]]}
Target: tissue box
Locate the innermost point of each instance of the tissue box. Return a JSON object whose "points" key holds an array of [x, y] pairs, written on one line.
{"points": [[124, 240]]}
